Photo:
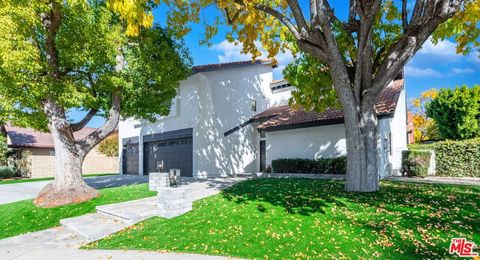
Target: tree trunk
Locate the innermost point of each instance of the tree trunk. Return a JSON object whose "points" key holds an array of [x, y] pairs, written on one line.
{"points": [[361, 137], [68, 186]]}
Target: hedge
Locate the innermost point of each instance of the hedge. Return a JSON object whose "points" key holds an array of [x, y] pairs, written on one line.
{"points": [[323, 165], [416, 162], [455, 158]]}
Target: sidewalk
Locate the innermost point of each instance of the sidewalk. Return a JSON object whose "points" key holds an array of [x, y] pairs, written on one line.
{"points": [[59, 243]]}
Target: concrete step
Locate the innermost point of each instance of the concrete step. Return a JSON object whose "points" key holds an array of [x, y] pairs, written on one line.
{"points": [[131, 212], [94, 226]]}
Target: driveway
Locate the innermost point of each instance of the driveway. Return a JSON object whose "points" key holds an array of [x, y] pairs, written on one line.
{"points": [[29, 190]]}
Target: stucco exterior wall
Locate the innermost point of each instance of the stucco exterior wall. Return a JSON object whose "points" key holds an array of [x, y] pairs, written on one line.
{"points": [[225, 103], [323, 142], [398, 126], [213, 103], [43, 163], [308, 143], [182, 115]]}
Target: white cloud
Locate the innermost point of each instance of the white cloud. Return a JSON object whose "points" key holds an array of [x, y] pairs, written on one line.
{"points": [[473, 57], [460, 71], [229, 52], [413, 71], [443, 49]]}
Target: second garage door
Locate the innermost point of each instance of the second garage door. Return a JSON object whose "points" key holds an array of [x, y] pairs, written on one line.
{"points": [[161, 156]]}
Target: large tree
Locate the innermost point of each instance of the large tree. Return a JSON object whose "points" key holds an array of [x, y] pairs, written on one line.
{"points": [[58, 55], [456, 112], [362, 52]]}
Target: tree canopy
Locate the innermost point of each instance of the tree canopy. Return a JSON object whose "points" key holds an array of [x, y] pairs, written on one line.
{"points": [[89, 41], [58, 55], [424, 128], [456, 112]]}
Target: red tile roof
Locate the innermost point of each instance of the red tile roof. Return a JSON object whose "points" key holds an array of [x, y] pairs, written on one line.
{"points": [[30, 138], [285, 116], [229, 65]]}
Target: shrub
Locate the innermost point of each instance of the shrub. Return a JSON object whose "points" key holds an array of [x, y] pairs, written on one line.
{"points": [[7, 172], [109, 146], [456, 112], [455, 158], [323, 165], [416, 162]]}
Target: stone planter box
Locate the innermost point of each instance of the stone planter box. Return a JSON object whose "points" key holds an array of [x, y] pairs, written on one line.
{"points": [[173, 202], [158, 180]]}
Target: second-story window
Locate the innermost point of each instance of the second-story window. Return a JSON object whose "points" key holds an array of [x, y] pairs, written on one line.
{"points": [[253, 105]]}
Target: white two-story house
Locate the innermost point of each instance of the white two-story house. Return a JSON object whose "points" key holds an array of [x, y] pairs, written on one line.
{"points": [[232, 118]]}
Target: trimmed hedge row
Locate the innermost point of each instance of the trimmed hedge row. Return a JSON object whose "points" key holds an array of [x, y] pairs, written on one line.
{"points": [[319, 166], [416, 162], [455, 158]]}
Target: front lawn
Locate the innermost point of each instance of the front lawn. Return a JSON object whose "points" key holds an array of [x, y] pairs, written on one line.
{"points": [[21, 217], [300, 219]]}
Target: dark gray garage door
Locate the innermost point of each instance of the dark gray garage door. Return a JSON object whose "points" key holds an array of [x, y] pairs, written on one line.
{"points": [[130, 159], [169, 154]]}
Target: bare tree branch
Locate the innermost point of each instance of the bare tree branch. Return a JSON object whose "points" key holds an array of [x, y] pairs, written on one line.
{"points": [[363, 68], [298, 15], [277, 15], [231, 20], [314, 7], [352, 11], [425, 19], [94, 138], [51, 23], [313, 50], [82, 123], [404, 16]]}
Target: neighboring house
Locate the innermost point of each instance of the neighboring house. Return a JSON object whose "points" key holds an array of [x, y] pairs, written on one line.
{"points": [[233, 118], [42, 153], [410, 128]]}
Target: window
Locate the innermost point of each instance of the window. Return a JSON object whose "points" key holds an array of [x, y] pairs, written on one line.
{"points": [[253, 105], [390, 143]]}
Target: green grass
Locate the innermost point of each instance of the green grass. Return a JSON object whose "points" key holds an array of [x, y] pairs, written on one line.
{"points": [[11, 181], [301, 219], [22, 216]]}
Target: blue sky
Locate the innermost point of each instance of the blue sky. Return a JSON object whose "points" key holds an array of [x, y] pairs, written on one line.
{"points": [[434, 66]]}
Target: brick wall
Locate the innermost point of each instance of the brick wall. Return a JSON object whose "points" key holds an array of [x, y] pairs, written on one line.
{"points": [[43, 164]]}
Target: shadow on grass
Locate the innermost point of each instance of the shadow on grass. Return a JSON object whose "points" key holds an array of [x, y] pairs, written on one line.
{"points": [[421, 212], [296, 197]]}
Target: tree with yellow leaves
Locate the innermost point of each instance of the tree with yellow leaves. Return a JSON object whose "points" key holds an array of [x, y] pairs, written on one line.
{"points": [[362, 52], [58, 55], [424, 127]]}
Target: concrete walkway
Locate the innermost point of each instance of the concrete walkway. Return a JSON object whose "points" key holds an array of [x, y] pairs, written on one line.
{"points": [[29, 190], [60, 243], [63, 242], [440, 180]]}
